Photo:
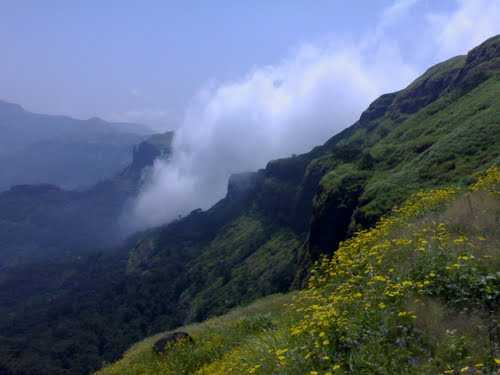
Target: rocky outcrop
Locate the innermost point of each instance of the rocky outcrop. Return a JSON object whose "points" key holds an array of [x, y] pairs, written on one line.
{"points": [[241, 184], [158, 146], [481, 63], [162, 345]]}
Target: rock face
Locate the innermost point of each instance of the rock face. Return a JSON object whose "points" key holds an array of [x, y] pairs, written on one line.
{"points": [[162, 345], [158, 146], [242, 183]]}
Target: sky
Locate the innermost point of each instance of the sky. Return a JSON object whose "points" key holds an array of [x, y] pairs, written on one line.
{"points": [[241, 83], [143, 61]]}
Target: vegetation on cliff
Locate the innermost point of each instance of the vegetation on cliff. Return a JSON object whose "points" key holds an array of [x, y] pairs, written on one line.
{"points": [[418, 293]]}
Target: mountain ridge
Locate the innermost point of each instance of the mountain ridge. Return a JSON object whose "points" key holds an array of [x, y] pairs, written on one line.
{"points": [[88, 218], [38, 148], [6, 106]]}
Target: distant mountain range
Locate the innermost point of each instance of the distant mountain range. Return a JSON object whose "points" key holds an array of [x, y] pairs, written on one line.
{"points": [[59, 150], [44, 222]]}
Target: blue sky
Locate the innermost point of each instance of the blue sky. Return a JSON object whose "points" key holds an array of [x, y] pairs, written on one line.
{"points": [[144, 60]]}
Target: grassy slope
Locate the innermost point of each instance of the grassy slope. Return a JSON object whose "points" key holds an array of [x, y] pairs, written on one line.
{"points": [[439, 130], [215, 338], [443, 142], [417, 294], [457, 137]]}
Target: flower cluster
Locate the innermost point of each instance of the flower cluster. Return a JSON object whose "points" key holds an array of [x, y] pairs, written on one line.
{"points": [[419, 293], [365, 298], [489, 181]]}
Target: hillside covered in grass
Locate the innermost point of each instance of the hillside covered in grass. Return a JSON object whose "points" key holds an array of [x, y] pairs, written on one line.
{"points": [[264, 236], [418, 293]]}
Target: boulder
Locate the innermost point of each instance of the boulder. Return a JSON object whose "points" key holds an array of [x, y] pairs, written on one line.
{"points": [[162, 344]]}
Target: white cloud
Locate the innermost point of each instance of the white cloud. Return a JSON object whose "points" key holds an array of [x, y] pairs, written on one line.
{"points": [[292, 106], [468, 25], [135, 92], [394, 13]]}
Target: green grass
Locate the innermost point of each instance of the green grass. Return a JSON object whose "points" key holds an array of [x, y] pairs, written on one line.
{"points": [[213, 339]]}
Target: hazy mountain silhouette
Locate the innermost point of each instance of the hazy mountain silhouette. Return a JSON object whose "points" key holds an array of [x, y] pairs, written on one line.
{"points": [[59, 150]]}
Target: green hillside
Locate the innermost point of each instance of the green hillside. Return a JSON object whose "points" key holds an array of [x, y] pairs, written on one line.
{"points": [[438, 131], [273, 225], [418, 293], [263, 236]]}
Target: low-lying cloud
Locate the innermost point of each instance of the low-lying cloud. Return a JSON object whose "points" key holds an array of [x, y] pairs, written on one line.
{"points": [[290, 107]]}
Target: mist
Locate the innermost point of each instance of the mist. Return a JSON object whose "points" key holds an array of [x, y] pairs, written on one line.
{"points": [[271, 113], [292, 106]]}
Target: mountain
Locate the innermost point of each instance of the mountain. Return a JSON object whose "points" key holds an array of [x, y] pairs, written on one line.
{"points": [[273, 224], [439, 130], [45, 222], [60, 150]]}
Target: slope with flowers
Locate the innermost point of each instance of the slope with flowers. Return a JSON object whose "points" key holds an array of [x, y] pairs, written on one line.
{"points": [[273, 224], [418, 293]]}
